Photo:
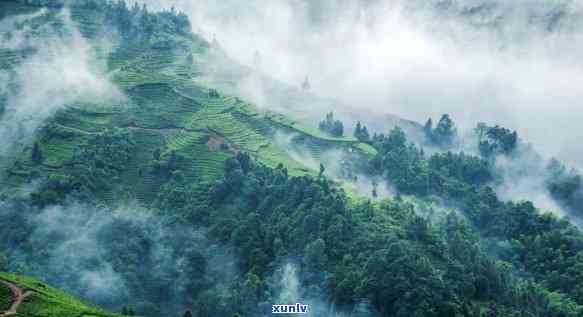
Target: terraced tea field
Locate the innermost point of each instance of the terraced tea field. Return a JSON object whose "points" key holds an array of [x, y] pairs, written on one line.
{"points": [[166, 109]]}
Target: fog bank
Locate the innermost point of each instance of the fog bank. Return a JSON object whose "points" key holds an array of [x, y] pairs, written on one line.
{"points": [[55, 69], [514, 64]]}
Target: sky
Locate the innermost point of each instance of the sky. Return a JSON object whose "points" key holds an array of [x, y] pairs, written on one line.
{"points": [[514, 64]]}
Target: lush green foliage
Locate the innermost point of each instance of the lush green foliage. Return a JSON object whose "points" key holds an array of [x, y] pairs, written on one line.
{"points": [[132, 23], [331, 126], [206, 162], [547, 248], [94, 167], [495, 140], [444, 134], [6, 297], [388, 253], [361, 132], [566, 186], [46, 301]]}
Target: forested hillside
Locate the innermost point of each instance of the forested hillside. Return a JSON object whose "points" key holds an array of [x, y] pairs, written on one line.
{"points": [[133, 177]]}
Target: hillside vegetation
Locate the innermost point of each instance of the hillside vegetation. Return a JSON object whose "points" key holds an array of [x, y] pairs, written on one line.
{"points": [[42, 301], [193, 202], [168, 123]]}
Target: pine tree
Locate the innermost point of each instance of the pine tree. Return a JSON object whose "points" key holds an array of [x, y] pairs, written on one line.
{"points": [[445, 132], [361, 132], [329, 125], [357, 130], [428, 129]]}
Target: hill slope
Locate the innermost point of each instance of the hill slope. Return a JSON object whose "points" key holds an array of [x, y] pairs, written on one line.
{"points": [[170, 119], [20, 296], [222, 207]]}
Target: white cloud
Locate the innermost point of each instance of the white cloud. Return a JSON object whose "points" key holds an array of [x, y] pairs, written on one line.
{"points": [[61, 70]]}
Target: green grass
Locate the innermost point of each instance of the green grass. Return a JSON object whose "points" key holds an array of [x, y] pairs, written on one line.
{"points": [[5, 297], [48, 302], [367, 149], [292, 124]]}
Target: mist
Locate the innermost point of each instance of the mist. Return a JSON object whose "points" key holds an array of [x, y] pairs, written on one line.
{"points": [[510, 64], [524, 177], [290, 290], [116, 257], [339, 165], [57, 69], [514, 64]]}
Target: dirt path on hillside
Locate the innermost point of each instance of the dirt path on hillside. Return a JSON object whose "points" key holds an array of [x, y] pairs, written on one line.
{"points": [[19, 297]]}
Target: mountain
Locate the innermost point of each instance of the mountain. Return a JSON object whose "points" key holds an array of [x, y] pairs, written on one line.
{"points": [[134, 174], [170, 120]]}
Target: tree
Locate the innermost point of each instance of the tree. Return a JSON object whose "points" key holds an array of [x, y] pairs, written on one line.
{"points": [[445, 132], [495, 140], [213, 93], [245, 161], [332, 126], [428, 129], [361, 132], [36, 155], [315, 255], [337, 128], [188, 313]]}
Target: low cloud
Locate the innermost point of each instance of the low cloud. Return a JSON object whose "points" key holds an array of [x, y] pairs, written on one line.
{"points": [[115, 257], [289, 291], [57, 69], [514, 64]]}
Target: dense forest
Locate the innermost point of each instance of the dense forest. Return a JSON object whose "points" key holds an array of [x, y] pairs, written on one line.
{"points": [[500, 258]]}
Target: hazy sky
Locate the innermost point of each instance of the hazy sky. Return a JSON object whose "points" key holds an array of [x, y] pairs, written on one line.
{"points": [[515, 64]]}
